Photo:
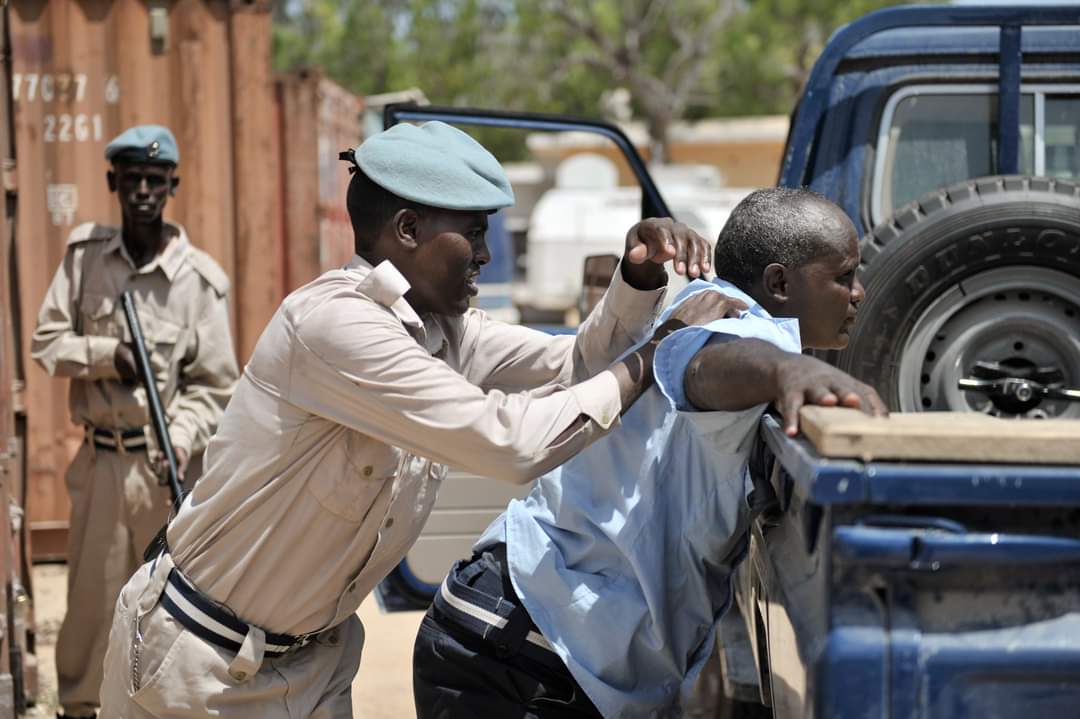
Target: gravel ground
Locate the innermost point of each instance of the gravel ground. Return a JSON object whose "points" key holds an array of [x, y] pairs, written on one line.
{"points": [[382, 690]]}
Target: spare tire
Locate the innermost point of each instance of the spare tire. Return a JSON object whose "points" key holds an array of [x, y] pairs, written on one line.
{"points": [[981, 279]]}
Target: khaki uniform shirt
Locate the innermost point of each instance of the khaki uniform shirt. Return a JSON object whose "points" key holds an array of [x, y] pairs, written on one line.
{"points": [[329, 457], [180, 297]]}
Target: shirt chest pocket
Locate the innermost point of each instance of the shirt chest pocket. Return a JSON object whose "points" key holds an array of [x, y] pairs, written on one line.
{"points": [[164, 342], [364, 480], [97, 318], [102, 316]]}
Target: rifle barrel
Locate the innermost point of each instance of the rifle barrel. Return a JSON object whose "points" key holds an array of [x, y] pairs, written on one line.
{"points": [[157, 414]]}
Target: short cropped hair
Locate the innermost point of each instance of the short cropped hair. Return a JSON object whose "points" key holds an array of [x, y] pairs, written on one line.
{"points": [[777, 224], [370, 207]]}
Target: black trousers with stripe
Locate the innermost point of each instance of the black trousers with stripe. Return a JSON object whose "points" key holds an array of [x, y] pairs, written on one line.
{"points": [[466, 670]]}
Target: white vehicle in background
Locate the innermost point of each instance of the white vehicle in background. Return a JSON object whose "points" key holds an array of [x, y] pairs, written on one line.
{"points": [[588, 213]]}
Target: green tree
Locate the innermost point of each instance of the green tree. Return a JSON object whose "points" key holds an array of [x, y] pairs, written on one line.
{"points": [[678, 59], [358, 44], [767, 52], [655, 49]]}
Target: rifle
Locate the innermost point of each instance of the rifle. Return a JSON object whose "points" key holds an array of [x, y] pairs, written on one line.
{"points": [[157, 415]]}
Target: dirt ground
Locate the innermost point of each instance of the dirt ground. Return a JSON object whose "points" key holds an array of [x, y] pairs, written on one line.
{"points": [[382, 690]]}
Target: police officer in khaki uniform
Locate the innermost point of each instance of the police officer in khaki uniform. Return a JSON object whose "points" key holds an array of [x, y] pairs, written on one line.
{"points": [[366, 383], [117, 500]]}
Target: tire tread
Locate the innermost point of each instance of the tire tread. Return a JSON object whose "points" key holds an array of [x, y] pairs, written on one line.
{"points": [[941, 200]]}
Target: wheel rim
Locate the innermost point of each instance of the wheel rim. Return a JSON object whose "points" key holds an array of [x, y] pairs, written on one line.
{"points": [[1019, 317]]}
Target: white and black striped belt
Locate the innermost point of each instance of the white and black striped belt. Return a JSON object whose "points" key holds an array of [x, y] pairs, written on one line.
{"points": [[212, 623], [501, 621], [116, 440]]}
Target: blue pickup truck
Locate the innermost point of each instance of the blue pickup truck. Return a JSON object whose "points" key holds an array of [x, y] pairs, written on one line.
{"points": [[951, 137], [877, 589]]}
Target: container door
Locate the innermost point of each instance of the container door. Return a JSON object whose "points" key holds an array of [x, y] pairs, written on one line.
{"points": [[579, 186], [202, 69], [18, 667]]}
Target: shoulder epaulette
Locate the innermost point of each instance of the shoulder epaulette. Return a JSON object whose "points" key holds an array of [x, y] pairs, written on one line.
{"points": [[209, 270], [89, 231]]}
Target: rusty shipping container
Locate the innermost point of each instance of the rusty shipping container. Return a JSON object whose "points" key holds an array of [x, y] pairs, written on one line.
{"points": [[317, 120], [84, 70], [18, 666]]}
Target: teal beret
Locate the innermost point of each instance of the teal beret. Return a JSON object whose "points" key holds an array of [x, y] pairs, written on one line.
{"points": [[144, 143], [436, 165]]}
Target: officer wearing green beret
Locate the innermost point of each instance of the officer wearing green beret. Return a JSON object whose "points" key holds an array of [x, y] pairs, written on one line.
{"points": [[365, 385], [117, 501]]}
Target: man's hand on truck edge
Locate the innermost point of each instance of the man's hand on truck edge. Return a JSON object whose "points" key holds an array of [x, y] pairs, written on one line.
{"points": [[801, 379]]}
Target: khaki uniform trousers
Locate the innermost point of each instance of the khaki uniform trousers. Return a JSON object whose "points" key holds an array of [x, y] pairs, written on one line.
{"points": [[117, 506], [157, 668]]}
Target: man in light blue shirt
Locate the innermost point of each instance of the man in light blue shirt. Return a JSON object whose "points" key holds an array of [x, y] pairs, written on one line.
{"points": [[600, 593]]}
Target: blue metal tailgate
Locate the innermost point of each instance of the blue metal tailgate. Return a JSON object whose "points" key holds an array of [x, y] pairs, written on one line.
{"points": [[904, 590], [845, 481]]}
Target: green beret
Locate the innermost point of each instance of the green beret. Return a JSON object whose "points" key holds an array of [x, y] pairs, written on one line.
{"points": [[436, 165], [144, 143]]}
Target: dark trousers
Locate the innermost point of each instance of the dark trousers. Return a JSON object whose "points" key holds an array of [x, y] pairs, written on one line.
{"points": [[467, 669]]}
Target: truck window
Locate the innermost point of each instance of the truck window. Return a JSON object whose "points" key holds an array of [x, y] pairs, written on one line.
{"points": [[1060, 138], [934, 136]]}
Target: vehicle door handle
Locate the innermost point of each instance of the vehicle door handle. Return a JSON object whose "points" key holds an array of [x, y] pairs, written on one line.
{"points": [[933, 551]]}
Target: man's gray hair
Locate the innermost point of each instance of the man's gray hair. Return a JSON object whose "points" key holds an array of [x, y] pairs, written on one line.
{"points": [[777, 224]]}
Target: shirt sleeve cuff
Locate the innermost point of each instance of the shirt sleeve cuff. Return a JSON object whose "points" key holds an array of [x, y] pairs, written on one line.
{"points": [[673, 355], [675, 352], [599, 398], [633, 307], [101, 352], [182, 438]]}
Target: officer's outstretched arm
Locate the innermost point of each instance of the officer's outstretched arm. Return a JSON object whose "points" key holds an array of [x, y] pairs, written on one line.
{"points": [[366, 372]]}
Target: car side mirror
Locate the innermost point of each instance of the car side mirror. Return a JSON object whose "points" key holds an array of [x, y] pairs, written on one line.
{"points": [[596, 276]]}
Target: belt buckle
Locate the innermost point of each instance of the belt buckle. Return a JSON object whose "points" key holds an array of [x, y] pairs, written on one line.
{"points": [[118, 437], [304, 641], [300, 643]]}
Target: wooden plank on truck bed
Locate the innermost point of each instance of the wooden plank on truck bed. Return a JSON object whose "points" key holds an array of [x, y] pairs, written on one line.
{"points": [[940, 436]]}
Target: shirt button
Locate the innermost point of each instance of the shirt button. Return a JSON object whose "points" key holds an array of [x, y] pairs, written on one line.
{"points": [[238, 675], [368, 470], [333, 637], [604, 419]]}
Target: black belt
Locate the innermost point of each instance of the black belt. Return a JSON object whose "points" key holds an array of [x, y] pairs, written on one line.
{"points": [[210, 622], [118, 441], [499, 620]]}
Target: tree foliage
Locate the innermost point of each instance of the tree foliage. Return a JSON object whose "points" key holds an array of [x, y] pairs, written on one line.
{"points": [[767, 52], [677, 58]]}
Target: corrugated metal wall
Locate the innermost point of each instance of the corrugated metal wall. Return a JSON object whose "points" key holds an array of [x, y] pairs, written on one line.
{"points": [[318, 119], [83, 70]]}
